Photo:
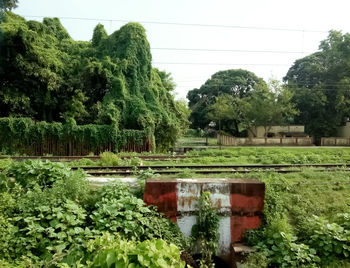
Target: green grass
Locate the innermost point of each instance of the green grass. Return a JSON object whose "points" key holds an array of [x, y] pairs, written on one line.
{"points": [[273, 155]]}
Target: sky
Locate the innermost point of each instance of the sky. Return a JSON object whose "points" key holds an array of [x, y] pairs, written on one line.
{"points": [[193, 39]]}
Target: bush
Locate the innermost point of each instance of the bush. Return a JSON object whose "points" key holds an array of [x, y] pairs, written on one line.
{"points": [[118, 210], [31, 172], [330, 240], [113, 251], [109, 159], [281, 246], [41, 212]]}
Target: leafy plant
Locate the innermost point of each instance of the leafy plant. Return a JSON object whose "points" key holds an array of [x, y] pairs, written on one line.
{"points": [[113, 251], [282, 248], [31, 172], [118, 210], [331, 240], [205, 232], [186, 173], [109, 159]]}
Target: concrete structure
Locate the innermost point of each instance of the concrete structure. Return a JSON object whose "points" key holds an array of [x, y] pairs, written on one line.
{"points": [[335, 141], [233, 141], [343, 138], [277, 131], [97, 182], [239, 202], [344, 131]]}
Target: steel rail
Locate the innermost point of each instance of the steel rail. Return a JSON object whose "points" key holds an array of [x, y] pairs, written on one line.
{"points": [[236, 167], [95, 158], [173, 172]]}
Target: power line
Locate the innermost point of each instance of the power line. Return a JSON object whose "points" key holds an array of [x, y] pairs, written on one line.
{"points": [[221, 64], [230, 50], [220, 50], [189, 24]]}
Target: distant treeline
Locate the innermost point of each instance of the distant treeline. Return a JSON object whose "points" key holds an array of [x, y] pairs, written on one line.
{"points": [[316, 93]]}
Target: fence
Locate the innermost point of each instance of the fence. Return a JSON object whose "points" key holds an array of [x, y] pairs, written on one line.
{"points": [[233, 141], [25, 136], [335, 141], [70, 148]]}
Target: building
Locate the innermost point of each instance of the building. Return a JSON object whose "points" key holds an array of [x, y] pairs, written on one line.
{"points": [[344, 131]]}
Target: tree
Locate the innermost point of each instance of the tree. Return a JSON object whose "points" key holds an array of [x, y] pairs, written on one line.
{"points": [[320, 86], [269, 106], [265, 106], [46, 75], [238, 83], [8, 5], [222, 109]]}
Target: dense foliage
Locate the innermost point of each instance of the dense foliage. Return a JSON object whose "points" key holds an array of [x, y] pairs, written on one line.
{"points": [[205, 233], [19, 135], [115, 252], [8, 4], [237, 100], [49, 217], [321, 87], [47, 76], [306, 221], [238, 83]]}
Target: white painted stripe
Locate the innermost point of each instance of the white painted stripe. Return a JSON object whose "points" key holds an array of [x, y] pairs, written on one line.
{"points": [[185, 224], [225, 235], [187, 195], [219, 195]]}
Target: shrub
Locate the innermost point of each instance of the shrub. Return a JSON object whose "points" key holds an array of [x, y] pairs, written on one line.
{"points": [[30, 172], [109, 159], [330, 240], [113, 251], [118, 210]]}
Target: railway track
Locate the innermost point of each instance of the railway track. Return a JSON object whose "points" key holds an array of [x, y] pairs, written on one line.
{"points": [[93, 158], [209, 169]]}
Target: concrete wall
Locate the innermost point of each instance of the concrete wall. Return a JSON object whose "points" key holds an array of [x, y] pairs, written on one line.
{"points": [[344, 131], [335, 141], [232, 141], [239, 202], [260, 130]]}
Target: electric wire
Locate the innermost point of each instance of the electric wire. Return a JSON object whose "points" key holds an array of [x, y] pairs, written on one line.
{"points": [[187, 24], [229, 50]]}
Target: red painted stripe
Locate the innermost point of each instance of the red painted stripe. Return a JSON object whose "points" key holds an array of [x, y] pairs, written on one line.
{"points": [[163, 195], [240, 224], [246, 204]]}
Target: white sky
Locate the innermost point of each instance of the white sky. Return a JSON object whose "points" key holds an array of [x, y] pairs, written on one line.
{"points": [[317, 15]]}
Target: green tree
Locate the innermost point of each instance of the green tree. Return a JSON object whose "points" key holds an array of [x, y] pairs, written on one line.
{"points": [[320, 86], [224, 108], [268, 106], [46, 75], [8, 4], [238, 83]]}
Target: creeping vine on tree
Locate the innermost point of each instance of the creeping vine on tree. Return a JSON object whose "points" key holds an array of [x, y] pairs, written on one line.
{"points": [[47, 76]]}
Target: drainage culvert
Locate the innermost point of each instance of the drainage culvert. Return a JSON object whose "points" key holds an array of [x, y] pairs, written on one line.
{"points": [[239, 203]]}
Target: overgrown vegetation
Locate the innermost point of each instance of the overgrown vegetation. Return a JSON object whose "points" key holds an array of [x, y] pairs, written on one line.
{"points": [[49, 217], [305, 221], [205, 233], [47, 76], [268, 155]]}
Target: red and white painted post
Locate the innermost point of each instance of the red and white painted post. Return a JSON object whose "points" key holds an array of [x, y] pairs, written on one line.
{"points": [[239, 202]]}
